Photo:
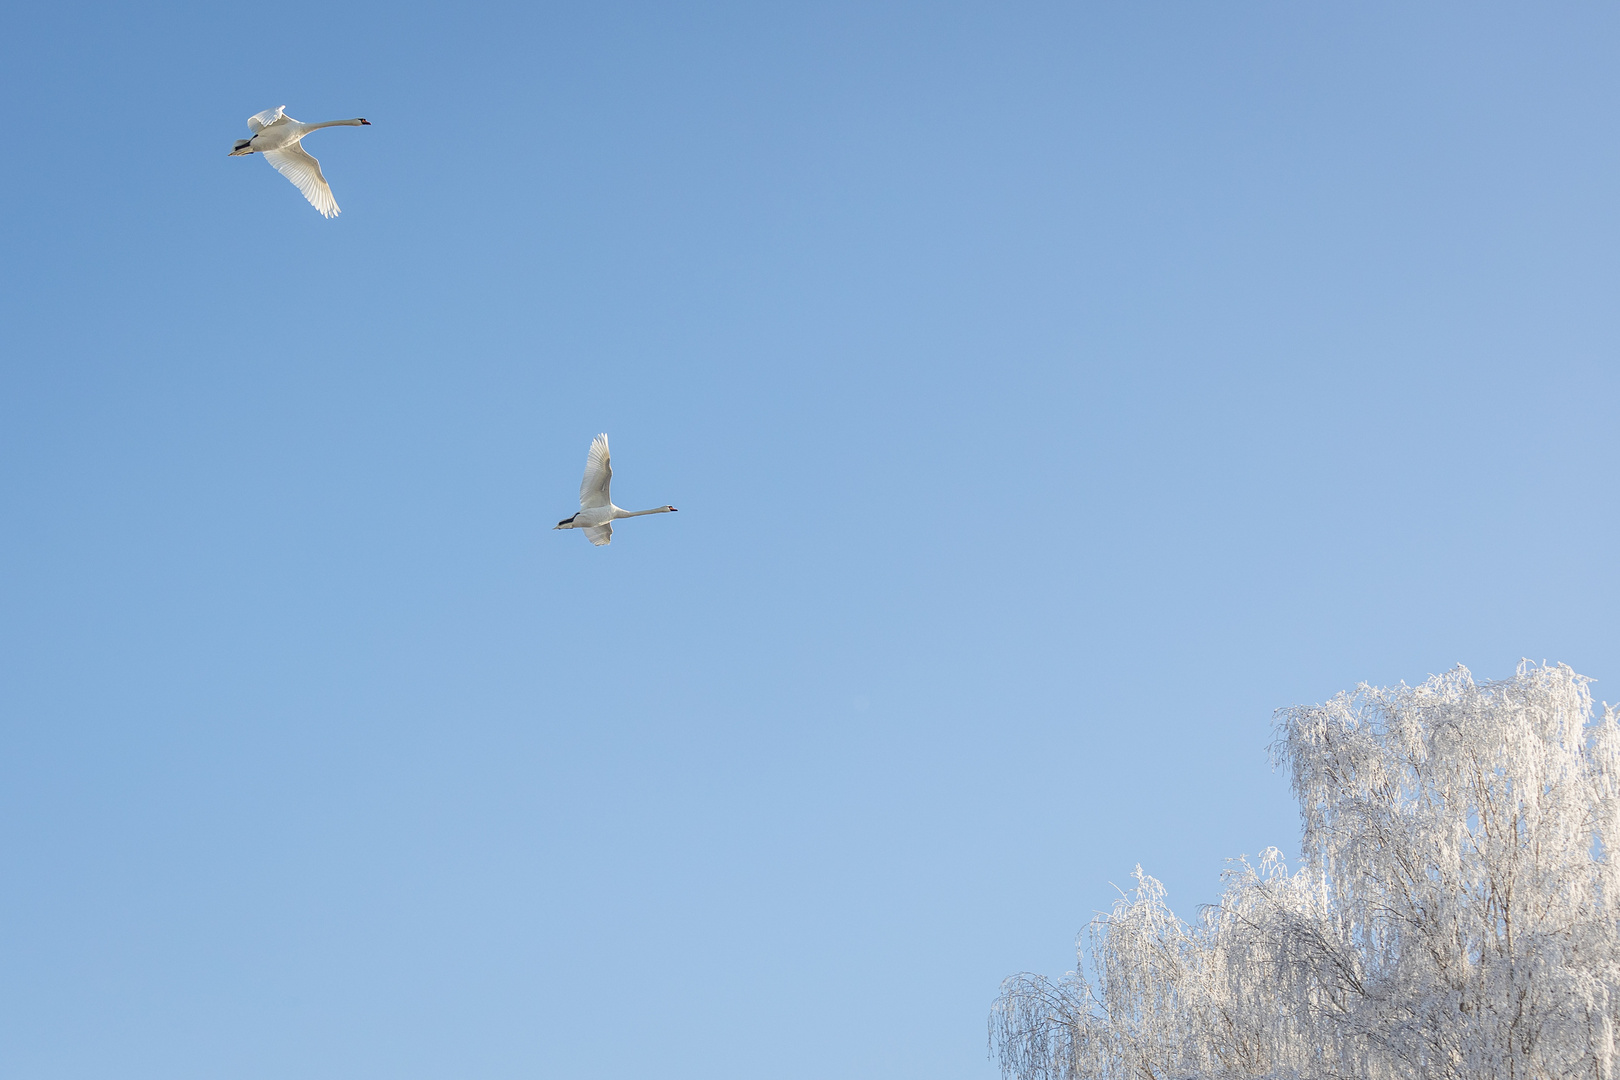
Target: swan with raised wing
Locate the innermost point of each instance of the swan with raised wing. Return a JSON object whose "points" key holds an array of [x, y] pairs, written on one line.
{"points": [[596, 510], [280, 139]]}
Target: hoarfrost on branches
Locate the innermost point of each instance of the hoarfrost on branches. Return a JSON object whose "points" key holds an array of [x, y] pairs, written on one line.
{"points": [[1457, 913]]}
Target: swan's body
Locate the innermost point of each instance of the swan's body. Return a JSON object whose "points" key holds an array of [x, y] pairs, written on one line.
{"points": [[596, 510], [280, 139]]}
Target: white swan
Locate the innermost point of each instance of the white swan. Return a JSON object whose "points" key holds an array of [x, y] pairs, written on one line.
{"points": [[279, 138], [596, 510]]}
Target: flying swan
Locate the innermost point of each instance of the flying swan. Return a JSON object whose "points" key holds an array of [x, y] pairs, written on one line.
{"points": [[279, 138], [596, 510]]}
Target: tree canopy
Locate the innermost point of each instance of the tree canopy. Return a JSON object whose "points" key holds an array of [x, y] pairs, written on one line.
{"points": [[1456, 912]]}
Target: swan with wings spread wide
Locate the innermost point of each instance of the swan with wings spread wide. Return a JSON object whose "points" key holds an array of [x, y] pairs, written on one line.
{"points": [[596, 510], [280, 139]]}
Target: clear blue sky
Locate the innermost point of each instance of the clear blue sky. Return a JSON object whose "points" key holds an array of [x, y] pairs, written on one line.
{"points": [[1049, 392]]}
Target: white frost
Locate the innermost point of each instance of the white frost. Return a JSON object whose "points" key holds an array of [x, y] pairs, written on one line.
{"points": [[1457, 913]]}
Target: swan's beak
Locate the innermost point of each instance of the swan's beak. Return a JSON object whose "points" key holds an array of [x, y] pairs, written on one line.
{"points": [[366, 122]]}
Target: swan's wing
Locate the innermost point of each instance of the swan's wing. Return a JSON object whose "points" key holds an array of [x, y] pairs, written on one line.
{"points": [[600, 534], [269, 118], [593, 490], [299, 166]]}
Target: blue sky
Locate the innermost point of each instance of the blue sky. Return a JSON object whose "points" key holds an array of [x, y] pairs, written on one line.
{"points": [[1049, 391]]}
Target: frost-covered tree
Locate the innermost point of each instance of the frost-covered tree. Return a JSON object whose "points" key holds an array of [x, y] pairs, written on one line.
{"points": [[1457, 913]]}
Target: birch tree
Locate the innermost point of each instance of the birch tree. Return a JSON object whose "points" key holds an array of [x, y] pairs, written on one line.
{"points": [[1456, 913]]}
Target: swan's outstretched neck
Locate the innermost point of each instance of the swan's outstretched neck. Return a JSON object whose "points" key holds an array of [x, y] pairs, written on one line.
{"points": [[356, 122], [654, 510]]}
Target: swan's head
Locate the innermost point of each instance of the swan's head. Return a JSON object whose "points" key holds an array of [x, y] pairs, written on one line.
{"points": [[565, 523], [241, 147]]}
